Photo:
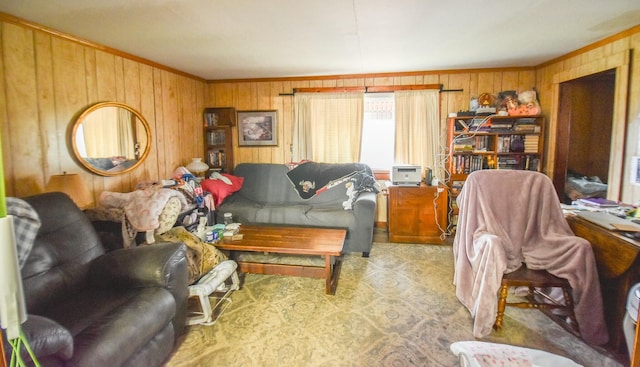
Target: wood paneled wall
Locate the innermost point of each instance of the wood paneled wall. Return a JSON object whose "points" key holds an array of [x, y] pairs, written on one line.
{"points": [[266, 95], [47, 80]]}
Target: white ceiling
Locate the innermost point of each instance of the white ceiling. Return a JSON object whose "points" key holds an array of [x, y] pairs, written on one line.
{"points": [[231, 39]]}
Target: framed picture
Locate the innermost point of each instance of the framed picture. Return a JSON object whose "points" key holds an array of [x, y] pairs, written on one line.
{"points": [[257, 128]]}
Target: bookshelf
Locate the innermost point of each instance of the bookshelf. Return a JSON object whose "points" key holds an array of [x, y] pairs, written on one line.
{"points": [[218, 143], [491, 142]]}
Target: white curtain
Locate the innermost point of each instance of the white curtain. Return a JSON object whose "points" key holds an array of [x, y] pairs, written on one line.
{"points": [[328, 127], [417, 138], [108, 132]]}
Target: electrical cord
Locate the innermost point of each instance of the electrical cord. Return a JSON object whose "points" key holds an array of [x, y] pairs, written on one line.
{"points": [[469, 133]]}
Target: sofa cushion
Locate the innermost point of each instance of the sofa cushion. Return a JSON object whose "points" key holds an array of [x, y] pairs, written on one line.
{"points": [[266, 183], [293, 214], [329, 216]]}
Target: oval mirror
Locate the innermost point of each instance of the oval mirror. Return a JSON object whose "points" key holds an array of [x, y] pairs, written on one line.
{"points": [[110, 138]]}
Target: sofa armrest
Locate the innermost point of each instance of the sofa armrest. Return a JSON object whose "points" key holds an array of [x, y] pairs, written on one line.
{"points": [[365, 202], [364, 210]]}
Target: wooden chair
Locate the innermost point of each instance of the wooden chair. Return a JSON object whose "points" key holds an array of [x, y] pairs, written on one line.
{"points": [[525, 277]]}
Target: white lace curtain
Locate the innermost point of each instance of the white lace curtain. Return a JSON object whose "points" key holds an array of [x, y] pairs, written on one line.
{"points": [[417, 138], [328, 127]]}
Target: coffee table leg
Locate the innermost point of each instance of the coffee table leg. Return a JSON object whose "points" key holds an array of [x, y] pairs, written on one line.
{"points": [[332, 273]]}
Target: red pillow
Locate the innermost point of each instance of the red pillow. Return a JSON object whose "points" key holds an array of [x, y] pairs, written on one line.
{"points": [[220, 189]]}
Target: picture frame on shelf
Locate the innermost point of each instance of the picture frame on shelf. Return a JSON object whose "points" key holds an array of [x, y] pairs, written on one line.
{"points": [[258, 128]]}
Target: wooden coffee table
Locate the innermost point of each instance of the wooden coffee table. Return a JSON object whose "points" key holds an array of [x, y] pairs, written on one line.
{"points": [[291, 240]]}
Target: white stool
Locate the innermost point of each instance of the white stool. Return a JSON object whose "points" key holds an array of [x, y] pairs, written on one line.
{"points": [[213, 281]]}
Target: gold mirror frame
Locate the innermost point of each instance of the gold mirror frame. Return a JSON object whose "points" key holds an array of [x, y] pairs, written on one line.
{"points": [[140, 148]]}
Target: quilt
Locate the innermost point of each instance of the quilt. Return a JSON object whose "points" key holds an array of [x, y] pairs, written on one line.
{"points": [[312, 178]]}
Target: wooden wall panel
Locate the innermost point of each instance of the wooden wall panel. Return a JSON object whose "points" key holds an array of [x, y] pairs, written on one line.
{"points": [[4, 119], [260, 95], [47, 81], [22, 111]]}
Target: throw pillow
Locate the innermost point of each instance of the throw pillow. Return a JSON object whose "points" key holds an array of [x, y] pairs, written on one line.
{"points": [[220, 189]]}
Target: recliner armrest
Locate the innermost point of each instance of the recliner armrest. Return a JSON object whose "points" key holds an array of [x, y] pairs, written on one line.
{"points": [[160, 264], [51, 343]]}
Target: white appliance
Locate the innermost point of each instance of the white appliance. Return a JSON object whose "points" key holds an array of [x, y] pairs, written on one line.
{"points": [[407, 175]]}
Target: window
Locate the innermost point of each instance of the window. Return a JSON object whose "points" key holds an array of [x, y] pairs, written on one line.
{"points": [[378, 131]]}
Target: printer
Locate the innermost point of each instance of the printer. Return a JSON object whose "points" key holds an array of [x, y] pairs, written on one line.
{"points": [[407, 175]]}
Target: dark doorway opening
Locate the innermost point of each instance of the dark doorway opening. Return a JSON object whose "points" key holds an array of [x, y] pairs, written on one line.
{"points": [[585, 119]]}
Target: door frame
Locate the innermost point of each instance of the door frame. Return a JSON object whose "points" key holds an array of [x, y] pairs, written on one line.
{"points": [[620, 62]]}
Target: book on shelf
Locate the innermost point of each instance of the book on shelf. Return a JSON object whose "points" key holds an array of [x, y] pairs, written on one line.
{"points": [[464, 143], [465, 164], [483, 143], [531, 143], [217, 137], [599, 202], [217, 158]]}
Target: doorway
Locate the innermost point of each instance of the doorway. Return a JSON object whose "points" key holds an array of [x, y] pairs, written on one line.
{"points": [[585, 125]]}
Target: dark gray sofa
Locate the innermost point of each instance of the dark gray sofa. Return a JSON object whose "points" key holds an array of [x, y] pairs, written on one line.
{"points": [[269, 195]]}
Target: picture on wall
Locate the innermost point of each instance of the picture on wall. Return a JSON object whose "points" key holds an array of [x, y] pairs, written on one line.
{"points": [[257, 128]]}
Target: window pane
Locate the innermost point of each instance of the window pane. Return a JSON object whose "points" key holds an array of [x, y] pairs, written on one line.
{"points": [[378, 131]]}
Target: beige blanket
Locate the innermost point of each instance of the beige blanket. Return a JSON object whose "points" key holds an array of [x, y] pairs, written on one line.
{"points": [[509, 217]]}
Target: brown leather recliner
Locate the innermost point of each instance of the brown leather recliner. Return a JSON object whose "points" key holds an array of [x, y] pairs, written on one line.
{"points": [[89, 307]]}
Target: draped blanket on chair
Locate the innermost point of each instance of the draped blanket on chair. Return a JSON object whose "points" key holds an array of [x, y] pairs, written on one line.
{"points": [[509, 217]]}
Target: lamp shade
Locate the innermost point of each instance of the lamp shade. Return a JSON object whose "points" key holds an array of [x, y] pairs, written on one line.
{"points": [[72, 185], [197, 166]]}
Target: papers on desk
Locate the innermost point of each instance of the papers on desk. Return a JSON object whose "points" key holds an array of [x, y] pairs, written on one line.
{"points": [[609, 221], [599, 202]]}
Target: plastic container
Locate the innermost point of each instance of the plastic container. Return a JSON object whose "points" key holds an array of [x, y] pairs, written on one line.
{"points": [[228, 218]]}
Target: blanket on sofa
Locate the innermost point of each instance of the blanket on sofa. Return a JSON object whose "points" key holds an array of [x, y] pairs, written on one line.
{"points": [[312, 178], [495, 235]]}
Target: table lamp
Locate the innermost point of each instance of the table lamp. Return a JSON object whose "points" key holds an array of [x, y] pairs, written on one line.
{"points": [[197, 167], [72, 185]]}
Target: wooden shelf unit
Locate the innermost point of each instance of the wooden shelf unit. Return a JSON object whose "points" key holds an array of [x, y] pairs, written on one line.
{"points": [[218, 138], [488, 142]]}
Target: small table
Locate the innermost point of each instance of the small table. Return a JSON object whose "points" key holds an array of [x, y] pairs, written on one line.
{"points": [[310, 241]]}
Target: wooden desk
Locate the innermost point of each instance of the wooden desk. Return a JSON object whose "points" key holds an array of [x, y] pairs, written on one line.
{"points": [[618, 268]]}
